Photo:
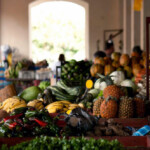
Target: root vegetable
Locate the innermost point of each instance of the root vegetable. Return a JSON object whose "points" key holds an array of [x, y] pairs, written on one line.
{"points": [[109, 132], [119, 131], [111, 121], [90, 133], [97, 131]]}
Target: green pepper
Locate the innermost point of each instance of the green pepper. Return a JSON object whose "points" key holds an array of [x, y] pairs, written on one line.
{"points": [[18, 111], [31, 113], [3, 131]]}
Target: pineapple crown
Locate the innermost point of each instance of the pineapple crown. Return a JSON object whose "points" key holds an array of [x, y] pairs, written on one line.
{"points": [[106, 79], [126, 97], [140, 96]]}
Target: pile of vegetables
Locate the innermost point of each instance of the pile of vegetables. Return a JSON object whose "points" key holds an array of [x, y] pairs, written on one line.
{"points": [[51, 143], [28, 122], [109, 128], [61, 92]]}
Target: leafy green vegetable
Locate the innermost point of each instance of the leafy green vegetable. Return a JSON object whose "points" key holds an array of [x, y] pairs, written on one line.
{"points": [[43, 85], [53, 143], [100, 94]]}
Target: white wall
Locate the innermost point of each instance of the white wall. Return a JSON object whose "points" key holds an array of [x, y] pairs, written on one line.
{"points": [[103, 14]]}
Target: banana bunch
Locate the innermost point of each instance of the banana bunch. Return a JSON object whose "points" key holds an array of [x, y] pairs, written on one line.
{"points": [[12, 103], [61, 107], [37, 104]]}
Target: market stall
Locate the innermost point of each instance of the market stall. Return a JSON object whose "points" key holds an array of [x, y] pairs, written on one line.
{"points": [[107, 99]]}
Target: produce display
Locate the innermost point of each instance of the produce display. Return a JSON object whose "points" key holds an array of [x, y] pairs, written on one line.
{"points": [[109, 128], [62, 107], [13, 71], [75, 73], [131, 66], [51, 143], [118, 100], [115, 88]]}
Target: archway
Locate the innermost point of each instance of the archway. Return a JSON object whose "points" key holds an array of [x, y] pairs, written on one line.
{"points": [[84, 40]]}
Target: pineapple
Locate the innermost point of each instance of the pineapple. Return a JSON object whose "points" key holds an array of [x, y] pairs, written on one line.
{"points": [[112, 91], [126, 107], [139, 106], [108, 108], [96, 106]]}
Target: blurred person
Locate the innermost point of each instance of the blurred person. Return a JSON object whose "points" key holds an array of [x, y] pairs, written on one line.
{"points": [[109, 48], [99, 54], [61, 61], [137, 49]]}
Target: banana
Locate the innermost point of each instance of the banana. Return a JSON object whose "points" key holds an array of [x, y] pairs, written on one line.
{"points": [[53, 105], [1, 105], [33, 103], [81, 105], [57, 102], [9, 100], [19, 106], [53, 110], [66, 105], [39, 106], [65, 109], [71, 108], [73, 105], [6, 106], [65, 102], [36, 104], [56, 107], [17, 103]]}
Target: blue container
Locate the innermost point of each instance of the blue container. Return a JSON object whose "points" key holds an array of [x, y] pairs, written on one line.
{"points": [[142, 131]]}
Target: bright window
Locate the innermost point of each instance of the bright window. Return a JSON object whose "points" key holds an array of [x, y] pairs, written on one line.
{"points": [[57, 27]]}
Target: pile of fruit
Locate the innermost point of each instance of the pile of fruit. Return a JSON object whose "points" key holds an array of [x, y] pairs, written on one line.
{"points": [[116, 102], [62, 107], [13, 71], [10, 104], [75, 72], [131, 66]]}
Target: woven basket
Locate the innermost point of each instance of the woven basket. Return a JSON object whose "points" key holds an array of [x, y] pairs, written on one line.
{"points": [[7, 92]]}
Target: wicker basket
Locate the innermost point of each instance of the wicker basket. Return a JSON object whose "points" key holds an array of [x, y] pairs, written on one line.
{"points": [[7, 92]]}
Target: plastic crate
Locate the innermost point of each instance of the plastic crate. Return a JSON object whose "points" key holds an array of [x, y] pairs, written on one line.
{"points": [[43, 75], [26, 75]]}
